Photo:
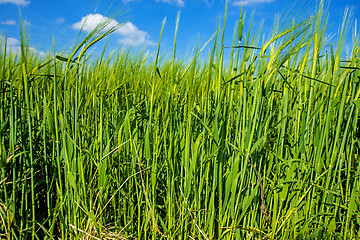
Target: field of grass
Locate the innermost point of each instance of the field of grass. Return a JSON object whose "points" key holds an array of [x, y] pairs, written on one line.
{"points": [[263, 145]]}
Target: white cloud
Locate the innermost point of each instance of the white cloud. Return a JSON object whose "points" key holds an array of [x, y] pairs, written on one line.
{"points": [[8, 22], [12, 42], [176, 2], [13, 45], [60, 20], [250, 2], [129, 33], [91, 21], [16, 2]]}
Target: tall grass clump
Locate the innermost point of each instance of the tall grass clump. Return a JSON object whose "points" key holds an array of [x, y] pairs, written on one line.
{"points": [[264, 144]]}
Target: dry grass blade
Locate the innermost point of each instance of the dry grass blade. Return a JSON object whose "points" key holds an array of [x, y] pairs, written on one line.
{"points": [[84, 232], [262, 192], [257, 231], [117, 190], [146, 194], [192, 217], [112, 151]]}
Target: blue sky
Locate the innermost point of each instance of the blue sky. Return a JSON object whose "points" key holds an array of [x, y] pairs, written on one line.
{"points": [[61, 20]]}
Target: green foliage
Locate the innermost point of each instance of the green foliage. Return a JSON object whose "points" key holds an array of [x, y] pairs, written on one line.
{"points": [[128, 147]]}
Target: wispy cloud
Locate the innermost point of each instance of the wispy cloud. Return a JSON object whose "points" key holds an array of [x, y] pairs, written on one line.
{"points": [[60, 20], [128, 32], [180, 3], [8, 22], [209, 3], [27, 23], [250, 2], [16, 2]]}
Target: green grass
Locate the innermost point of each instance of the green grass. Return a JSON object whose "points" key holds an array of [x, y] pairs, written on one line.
{"points": [[263, 146]]}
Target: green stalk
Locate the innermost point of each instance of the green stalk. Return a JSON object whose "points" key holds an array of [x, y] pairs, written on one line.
{"points": [[31, 163]]}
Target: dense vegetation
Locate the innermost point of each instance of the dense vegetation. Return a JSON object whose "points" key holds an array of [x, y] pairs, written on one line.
{"points": [[134, 147]]}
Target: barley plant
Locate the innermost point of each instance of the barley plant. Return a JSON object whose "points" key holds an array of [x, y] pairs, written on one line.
{"points": [[256, 140]]}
